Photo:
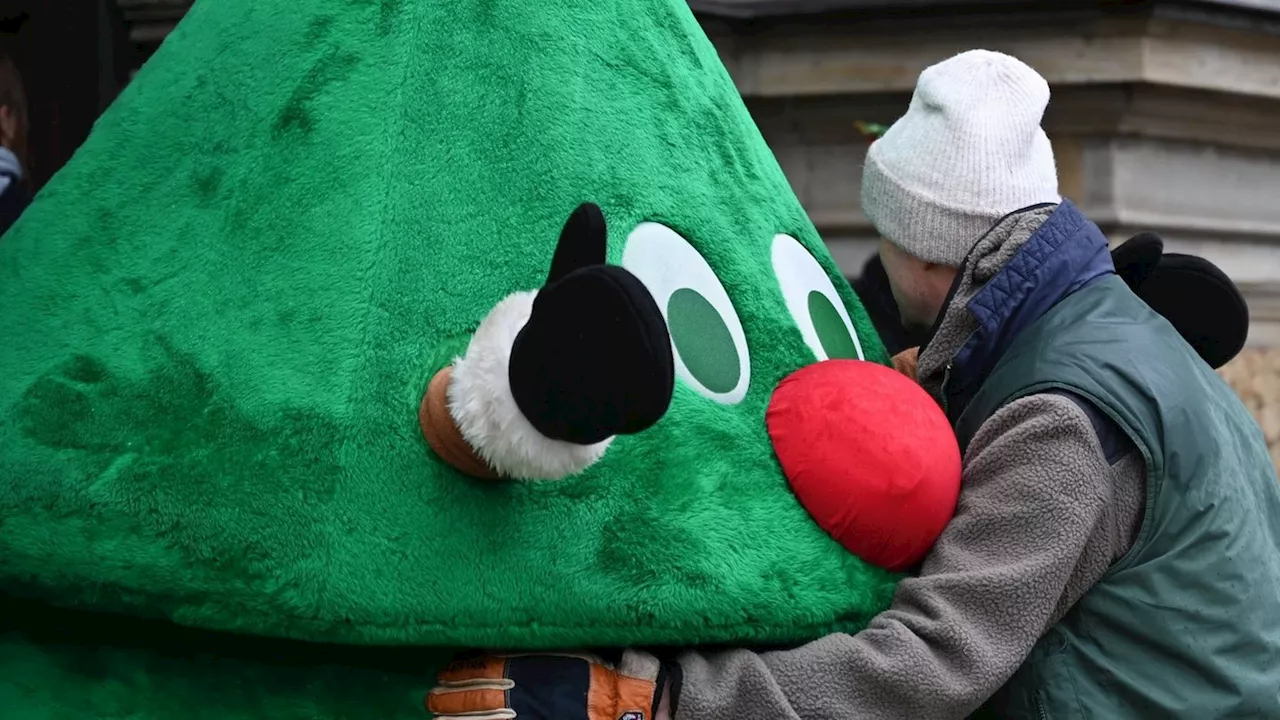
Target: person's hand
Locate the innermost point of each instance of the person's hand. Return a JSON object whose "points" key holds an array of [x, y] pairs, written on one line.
{"points": [[551, 687]]}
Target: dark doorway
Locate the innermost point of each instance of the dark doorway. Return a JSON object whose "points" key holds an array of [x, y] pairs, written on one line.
{"points": [[74, 56]]}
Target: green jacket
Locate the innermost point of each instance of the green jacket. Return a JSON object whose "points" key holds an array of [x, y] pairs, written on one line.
{"points": [[1187, 625]]}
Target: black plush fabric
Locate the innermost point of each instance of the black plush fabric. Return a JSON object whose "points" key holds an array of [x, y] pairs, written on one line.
{"points": [[1137, 257], [1193, 294], [595, 358], [1202, 303]]}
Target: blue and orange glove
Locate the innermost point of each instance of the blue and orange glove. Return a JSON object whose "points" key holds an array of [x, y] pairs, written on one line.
{"points": [[551, 687]]}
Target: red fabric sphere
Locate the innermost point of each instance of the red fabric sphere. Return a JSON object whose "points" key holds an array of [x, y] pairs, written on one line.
{"points": [[870, 455]]}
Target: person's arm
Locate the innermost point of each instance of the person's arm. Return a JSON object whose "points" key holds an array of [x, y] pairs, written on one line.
{"points": [[1030, 532]]}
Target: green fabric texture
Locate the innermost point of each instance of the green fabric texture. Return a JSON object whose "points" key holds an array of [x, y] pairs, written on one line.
{"points": [[1186, 624], [220, 317], [71, 666]]}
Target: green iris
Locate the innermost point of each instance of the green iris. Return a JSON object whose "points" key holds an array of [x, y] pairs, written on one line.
{"points": [[703, 341], [832, 331]]}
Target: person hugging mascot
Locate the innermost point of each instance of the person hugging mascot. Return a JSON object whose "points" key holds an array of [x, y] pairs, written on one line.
{"points": [[359, 334]]}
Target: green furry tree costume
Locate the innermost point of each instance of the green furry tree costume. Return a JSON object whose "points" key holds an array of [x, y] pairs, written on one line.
{"points": [[220, 318]]}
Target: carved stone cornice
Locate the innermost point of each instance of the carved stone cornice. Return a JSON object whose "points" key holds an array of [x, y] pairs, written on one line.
{"points": [[1075, 44]]}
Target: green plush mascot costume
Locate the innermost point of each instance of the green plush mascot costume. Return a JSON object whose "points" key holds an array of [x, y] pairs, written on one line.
{"points": [[221, 319]]}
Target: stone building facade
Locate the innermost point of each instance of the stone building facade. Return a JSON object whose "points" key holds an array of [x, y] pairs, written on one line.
{"points": [[1165, 117]]}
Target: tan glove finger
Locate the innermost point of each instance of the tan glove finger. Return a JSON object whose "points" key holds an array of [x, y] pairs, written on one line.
{"points": [[905, 362]]}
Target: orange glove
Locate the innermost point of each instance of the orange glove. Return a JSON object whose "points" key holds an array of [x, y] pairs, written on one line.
{"points": [[550, 687]]}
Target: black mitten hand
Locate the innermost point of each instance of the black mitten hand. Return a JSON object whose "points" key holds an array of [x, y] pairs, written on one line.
{"points": [[1137, 257], [1193, 294], [594, 359]]}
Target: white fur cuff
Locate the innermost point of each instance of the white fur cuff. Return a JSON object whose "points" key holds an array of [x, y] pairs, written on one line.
{"points": [[481, 402]]}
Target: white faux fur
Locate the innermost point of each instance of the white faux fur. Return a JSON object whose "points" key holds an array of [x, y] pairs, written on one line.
{"points": [[481, 403]]}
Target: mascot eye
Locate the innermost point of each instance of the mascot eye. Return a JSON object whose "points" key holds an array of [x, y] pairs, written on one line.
{"points": [[813, 301], [710, 347]]}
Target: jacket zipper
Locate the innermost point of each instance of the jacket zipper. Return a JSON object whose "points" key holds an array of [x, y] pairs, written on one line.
{"points": [[946, 378], [946, 381], [1044, 714]]}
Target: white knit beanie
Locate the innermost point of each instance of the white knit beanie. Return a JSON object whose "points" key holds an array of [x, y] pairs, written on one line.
{"points": [[968, 151]]}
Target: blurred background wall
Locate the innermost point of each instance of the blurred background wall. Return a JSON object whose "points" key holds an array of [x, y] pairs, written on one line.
{"points": [[1165, 116]]}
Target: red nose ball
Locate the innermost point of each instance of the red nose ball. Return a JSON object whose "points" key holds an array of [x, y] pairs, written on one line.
{"points": [[870, 455]]}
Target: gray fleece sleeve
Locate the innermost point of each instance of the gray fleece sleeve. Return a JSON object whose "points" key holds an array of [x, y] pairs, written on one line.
{"points": [[1031, 528]]}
